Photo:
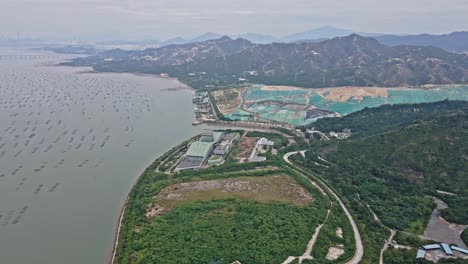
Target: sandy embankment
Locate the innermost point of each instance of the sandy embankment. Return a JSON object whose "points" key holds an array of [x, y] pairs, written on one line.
{"points": [[279, 88], [343, 94], [338, 94]]}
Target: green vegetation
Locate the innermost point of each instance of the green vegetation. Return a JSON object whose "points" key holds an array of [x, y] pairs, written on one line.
{"points": [[412, 240], [457, 211], [394, 170], [328, 236], [223, 231], [395, 256], [280, 140], [219, 115], [464, 236], [371, 121], [373, 234]]}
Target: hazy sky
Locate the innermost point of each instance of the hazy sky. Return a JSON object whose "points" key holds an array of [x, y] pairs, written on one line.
{"points": [[162, 19]]}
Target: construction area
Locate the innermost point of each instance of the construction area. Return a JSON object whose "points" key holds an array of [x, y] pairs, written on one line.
{"points": [[300, 106]]}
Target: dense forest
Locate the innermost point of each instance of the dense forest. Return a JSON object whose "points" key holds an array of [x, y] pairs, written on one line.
{"points": [[370, 121], [416, 160], [393, 171], [223, 231]]}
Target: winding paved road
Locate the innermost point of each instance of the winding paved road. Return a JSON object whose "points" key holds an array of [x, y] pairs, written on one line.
{"points": [[359, 252]]}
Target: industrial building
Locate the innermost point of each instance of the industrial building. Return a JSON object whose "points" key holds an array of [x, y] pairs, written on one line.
{"points": [[442, 249], [261, 143], [229, 140], [203, 109], [199, 151], [210, 148]]}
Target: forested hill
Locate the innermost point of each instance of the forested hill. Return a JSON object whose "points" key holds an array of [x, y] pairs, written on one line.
{"points": [[385, 118], [396, 171], [345, 61]]}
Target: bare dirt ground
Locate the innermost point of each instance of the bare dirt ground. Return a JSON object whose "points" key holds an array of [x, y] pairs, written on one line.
{"points": [[439, 229], [343, 94], [244, 148], [335, 252], [438, 254], [228, 100], [278, 188], [339, 232]]}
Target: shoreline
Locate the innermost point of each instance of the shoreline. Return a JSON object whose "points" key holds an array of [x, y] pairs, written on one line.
{"points": [[118, 225]]}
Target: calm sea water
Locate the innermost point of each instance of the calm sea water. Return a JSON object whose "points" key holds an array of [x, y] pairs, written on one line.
{"points": [[71, 145]]}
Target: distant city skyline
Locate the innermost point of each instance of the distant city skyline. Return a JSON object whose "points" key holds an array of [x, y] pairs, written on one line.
{"points": [[164, 19]]}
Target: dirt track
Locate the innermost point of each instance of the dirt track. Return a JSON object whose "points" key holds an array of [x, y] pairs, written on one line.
{"points": [[359, 251]]}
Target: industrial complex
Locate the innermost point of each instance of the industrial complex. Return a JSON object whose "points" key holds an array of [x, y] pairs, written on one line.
{"points": [[203, 108], [262, 146], [210, 149]]}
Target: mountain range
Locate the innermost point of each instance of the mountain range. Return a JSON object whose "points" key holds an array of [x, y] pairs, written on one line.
{"points": [[455, 42], [353, 60], [320, 33]]}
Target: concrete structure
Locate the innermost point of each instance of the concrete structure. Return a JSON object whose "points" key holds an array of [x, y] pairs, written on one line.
{"points": [[222, 149], [215, 160], [265, 142], [207, 136], [257, 159], [345, 133]]}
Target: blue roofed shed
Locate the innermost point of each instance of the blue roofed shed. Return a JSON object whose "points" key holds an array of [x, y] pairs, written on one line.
{"points": [[459, 249], [446, 249], [431, 247], [421, 253]]}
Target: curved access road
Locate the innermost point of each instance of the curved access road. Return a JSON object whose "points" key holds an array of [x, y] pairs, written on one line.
{"points": [[359, 252]]}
